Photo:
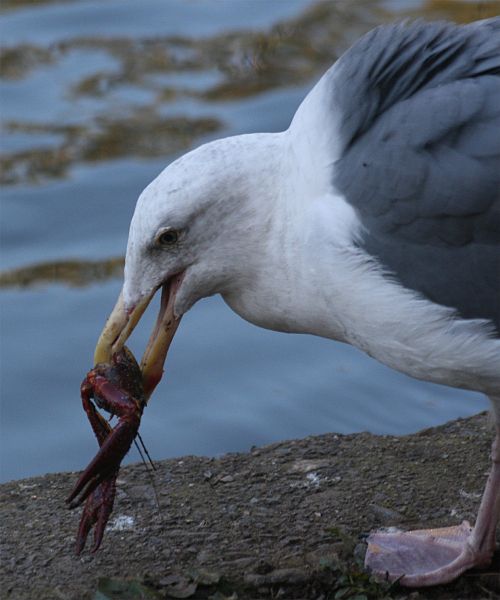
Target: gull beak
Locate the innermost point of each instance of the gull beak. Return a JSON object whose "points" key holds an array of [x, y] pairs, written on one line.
{"points": [[122, 322]]}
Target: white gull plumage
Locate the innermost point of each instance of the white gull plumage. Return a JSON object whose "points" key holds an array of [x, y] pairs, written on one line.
{"points": [[299, 231]]}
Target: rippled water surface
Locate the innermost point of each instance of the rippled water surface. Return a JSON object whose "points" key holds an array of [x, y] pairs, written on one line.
{"points": [[96, 97]]}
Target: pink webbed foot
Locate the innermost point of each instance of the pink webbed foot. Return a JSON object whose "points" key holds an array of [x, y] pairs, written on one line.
{"points": [[436, 556], [424, 557]]}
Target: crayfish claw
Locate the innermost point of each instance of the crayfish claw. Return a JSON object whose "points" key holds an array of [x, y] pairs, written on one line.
{"points": [[83, 532], [116, 387], [97, 511], [87, 483], [106, 461], [102, 521]]}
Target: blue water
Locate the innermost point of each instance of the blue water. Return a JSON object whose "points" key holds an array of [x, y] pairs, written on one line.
{"points": [[228, 385]]}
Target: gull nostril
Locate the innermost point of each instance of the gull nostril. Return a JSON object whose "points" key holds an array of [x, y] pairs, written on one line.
{"points": [[130, 309]]}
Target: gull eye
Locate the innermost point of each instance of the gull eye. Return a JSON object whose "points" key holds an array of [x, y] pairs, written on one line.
{"points": [[168, 237]]}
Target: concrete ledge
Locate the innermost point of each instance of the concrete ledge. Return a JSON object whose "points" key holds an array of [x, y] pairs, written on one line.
{"points": [[286, 519]]}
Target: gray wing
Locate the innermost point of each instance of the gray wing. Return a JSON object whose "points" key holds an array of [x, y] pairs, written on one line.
{"points": [[420, 107]]}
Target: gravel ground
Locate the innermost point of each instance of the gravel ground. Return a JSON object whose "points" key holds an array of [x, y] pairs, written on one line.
{"points": [[282, 521]]}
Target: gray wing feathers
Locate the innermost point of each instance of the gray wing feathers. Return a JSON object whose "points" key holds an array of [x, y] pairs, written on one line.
{"points": [[421, 160], [392, 63]]}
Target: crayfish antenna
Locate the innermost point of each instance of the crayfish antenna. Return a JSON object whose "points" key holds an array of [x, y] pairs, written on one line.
{"points": [[146, 451], [150, 473]]}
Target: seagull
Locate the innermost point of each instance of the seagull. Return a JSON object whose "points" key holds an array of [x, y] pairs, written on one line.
{"points": [[374, 220]]}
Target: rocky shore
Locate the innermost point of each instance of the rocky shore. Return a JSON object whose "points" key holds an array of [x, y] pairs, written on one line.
{"points": [[281, 521]]}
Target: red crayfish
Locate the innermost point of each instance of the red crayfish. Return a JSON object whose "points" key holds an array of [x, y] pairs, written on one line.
{"points": [[120, 386], [116, 387]]}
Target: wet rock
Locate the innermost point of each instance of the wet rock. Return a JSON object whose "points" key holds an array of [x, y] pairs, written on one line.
{"points": [[270, 533], [386, 515]]}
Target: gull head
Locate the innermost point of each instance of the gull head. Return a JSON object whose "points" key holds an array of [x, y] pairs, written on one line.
{"points": [[198, 229], [191, 220]]}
